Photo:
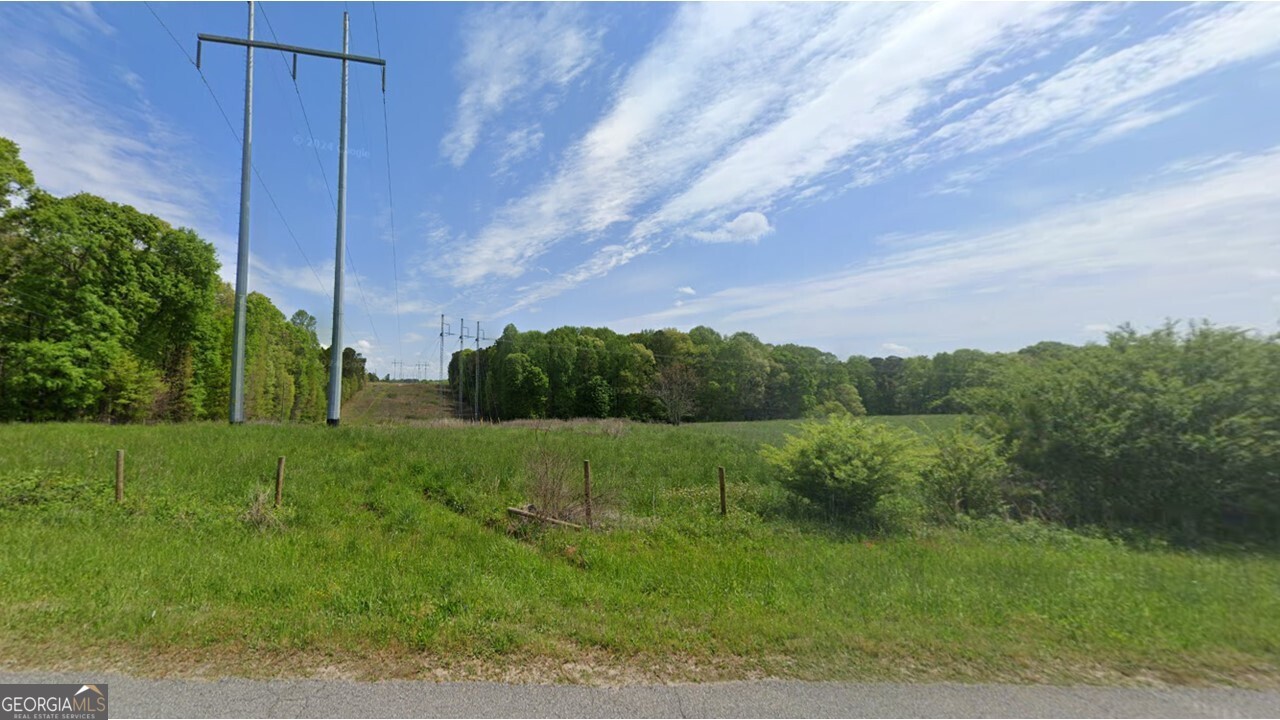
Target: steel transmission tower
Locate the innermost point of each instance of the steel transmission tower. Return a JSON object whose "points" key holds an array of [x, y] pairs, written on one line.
{"points": [[246, 165]]}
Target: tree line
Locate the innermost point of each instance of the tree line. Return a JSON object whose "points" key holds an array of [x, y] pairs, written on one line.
{"points": [[1173, 433], [702, 375], [111, 314]]}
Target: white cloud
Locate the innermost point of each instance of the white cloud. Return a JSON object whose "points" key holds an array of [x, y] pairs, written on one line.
{"points": [[747, 227], [895, 348], [75, 142], [867, 97], [757, 106], [795, 90], [514, 52], [686, 290], [518, 145], [1137, 119], [1096, 89], [76, 20], [1187, 249]]}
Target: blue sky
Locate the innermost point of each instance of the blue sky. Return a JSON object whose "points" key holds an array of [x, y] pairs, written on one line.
{"points": [[868, 179]]}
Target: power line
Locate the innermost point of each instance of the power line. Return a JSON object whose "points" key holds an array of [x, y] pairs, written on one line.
{"points": [[391, 203], [324, 177], [311, 135], [15, 323], [231, 128], [445, 329]]}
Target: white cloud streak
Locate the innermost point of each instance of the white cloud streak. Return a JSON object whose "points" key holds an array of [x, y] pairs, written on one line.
{"points": [[740, 109], [74, 142], [1188, 249], [1096, 89], [511, 53], [518, 145]]}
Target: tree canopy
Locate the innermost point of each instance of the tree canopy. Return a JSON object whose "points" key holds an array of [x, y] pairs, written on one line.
{"points": [[107, 313]]}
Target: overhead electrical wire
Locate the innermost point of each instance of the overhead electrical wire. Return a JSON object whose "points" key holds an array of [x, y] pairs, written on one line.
{"points": [[391, 204], [364, 301], [261, 180]]}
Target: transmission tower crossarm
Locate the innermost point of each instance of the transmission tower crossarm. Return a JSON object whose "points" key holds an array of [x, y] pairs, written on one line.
{"points": [[295, 49]]}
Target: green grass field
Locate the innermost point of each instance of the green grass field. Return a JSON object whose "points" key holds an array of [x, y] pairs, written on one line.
{"points": [[393, 557], [773, 431], [400, 403]]}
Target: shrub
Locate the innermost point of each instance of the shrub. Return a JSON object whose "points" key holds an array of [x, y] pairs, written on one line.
{"points": [[554, 485], [1174, 432], [828, 409], [862, 473], [962, 476]]}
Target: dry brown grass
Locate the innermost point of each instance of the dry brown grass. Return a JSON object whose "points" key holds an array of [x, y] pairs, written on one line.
{"points": [[596, 667], [554, 482], [555, 486], [261, 513]]}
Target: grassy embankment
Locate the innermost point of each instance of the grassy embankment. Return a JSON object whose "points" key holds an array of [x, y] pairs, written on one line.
{"points": [[394, 558]]}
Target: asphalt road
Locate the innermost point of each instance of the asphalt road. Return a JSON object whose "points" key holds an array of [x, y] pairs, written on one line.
{"points": [[134, 697]]}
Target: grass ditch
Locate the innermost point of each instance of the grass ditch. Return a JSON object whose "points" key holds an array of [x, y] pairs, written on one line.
{"points": [[393, 557]]}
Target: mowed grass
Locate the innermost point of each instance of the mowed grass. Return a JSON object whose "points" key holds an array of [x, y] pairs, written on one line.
{"points": [[388, 402], [394, 558]]}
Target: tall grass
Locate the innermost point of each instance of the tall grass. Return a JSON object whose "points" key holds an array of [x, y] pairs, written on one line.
{"points": [[393, 551]]}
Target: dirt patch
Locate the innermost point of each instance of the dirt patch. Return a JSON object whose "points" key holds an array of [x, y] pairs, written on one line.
{"points": [[591, 666]]}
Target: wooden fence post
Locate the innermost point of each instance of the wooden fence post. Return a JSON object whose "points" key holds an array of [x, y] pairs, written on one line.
{"points": [[724, 510], [279, 479], [586, 489], [119, 476]]}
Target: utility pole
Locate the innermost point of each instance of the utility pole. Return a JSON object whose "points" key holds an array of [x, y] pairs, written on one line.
{"points": [[444, 330], [242, 257], [479, 334], [463, 337], [236, 412], [335, 345]]}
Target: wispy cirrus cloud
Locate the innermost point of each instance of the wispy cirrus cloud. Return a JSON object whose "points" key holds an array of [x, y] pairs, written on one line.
{"points": [[518, 145], [1190, 248], [794, 89], [511, 53], [73, 139], [1098, 91], [740, 109]]}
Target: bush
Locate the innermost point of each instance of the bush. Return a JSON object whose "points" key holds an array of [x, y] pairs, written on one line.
{"points": [[828, 409], [554, 482], [1173, 432], [865, 474], [962, 476]]}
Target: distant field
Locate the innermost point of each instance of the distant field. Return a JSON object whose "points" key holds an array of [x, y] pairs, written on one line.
{"points": [[386, 402], [393, 557], [773, 431]]}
